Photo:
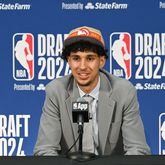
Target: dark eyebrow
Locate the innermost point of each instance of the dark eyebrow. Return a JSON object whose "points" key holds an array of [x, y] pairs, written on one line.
{"points": [[91, 55], [88, 55], [75, 55]]}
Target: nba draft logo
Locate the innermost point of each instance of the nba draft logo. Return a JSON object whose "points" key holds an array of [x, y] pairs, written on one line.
{"points": [[23, 56], [120, 54], [162, 134]]}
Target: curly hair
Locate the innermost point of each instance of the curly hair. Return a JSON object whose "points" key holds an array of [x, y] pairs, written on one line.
{"points": [[83, 46]]}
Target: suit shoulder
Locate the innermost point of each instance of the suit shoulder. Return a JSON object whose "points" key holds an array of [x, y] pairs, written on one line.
{"points": [[118, 82], [58, 84], [123, 89]]}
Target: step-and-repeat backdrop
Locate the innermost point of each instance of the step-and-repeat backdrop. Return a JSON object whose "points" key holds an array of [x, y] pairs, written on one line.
{"points": [[31, 39]]}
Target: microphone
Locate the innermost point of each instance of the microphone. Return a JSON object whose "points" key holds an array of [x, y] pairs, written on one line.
{"points": [[80, 111], [80, 114]]}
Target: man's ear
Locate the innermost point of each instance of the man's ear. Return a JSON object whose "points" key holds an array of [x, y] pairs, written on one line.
{"points": [[102, 61], [68, 60]]}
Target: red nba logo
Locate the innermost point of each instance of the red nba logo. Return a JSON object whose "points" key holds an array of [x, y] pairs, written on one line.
{"points": [[162, 134], [120, 54], [23, 56]]}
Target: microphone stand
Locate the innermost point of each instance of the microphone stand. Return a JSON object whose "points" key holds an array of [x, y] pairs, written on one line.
{"points": [[80, 155], [80, 131]]}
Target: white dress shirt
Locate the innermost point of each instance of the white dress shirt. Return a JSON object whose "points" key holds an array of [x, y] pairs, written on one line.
{"points": [[90, 138]]}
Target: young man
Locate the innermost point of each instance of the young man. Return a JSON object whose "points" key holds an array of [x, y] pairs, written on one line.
{"points": [[115, 126]]}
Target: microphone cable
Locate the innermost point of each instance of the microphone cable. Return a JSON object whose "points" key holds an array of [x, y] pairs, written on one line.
{"points": [[72, 145]]}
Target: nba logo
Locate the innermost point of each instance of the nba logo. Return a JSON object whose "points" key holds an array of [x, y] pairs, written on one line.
{"points": [[162, 134], [23, 56], [120, 54]]}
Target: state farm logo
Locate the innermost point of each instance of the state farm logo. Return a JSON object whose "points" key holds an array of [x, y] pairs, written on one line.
{"points": [[23, 56], [120, 54], [89, 6]]}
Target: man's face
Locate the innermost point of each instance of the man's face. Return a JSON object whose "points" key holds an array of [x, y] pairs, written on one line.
{"points": [[85, 68]]}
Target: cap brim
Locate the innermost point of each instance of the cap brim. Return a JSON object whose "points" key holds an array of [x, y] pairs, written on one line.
{"points": [[72, 40]]}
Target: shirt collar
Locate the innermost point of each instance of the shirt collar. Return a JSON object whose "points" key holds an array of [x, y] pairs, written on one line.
{"points": [[94, 93]]}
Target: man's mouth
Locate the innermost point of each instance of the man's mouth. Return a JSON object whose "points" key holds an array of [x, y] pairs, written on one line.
{"points": [[83, 75]]}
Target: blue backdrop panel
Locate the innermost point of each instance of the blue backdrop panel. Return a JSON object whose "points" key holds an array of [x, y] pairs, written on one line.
{"points": [[32, 34]]}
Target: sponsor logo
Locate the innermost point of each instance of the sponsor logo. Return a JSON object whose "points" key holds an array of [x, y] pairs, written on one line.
{"points": [[162, 134], [80, 106], [41, 87], [89, 6], [14, 6], [23, 56], [139, 86], [120, 54], [150, 86], [162, 5], [94, 6], [106, 6]]}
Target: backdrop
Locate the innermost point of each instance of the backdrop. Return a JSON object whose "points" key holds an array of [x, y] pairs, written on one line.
{"points": [[31, 39]]}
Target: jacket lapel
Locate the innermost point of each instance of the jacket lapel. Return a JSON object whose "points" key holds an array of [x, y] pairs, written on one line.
{"points": [[73, 95], [106, 106]]}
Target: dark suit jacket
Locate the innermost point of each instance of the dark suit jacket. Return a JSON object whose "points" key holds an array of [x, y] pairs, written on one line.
{"points": [[120, 127]]}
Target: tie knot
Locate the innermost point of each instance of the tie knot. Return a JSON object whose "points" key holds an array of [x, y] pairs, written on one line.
{"points": [[88, 98]]}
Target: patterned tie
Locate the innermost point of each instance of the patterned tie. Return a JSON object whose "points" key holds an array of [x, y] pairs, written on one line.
{"points": [[90, 100], [90, 140]]}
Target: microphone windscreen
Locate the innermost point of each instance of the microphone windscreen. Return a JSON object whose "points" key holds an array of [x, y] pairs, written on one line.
{"points": [[80, 108]]}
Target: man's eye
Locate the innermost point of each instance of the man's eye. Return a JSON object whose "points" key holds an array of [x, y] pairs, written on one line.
{"points": [[90, 59], [75, 58]]}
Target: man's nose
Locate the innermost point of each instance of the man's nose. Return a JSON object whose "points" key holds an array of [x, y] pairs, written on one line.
{"points": [[82, 64]]}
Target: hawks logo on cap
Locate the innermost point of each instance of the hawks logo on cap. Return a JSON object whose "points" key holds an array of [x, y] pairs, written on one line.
{"points": [[83, 31], [86, 34]]}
